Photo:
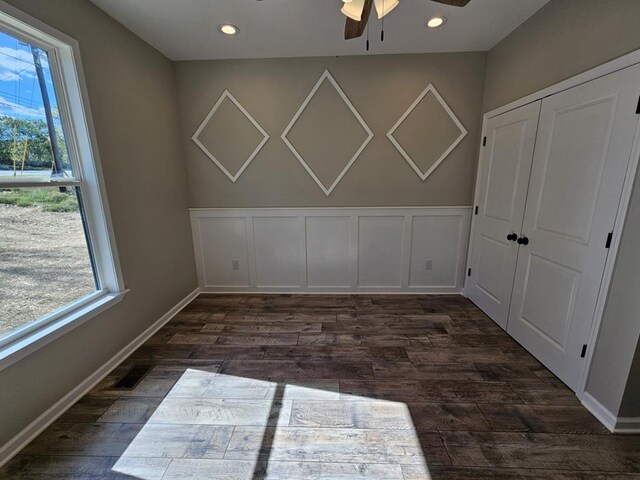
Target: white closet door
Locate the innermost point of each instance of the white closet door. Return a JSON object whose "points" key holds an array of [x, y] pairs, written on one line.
{"points": [[503, 191], [583, 147]]}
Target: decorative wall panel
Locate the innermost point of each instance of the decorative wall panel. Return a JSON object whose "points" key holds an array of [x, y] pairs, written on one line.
{"points": [[412, 249], [231, 130], [431, 120], [327, 134]]}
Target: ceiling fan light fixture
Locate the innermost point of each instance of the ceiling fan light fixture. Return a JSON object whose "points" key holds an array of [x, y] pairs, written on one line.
{"points": [[353, 9], [383, 7], [436, 22], [228, 29]]}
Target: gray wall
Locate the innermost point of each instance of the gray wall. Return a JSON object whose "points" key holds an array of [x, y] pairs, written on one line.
{"points": [[380, 87], [132, 94], [614, 355], [563, 39], [629, 407]]}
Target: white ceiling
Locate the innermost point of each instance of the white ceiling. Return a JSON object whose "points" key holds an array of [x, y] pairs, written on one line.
{"points": [[187, 29]]}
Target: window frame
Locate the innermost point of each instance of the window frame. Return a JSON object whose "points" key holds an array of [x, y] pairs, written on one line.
{"points": [[76, 119]]}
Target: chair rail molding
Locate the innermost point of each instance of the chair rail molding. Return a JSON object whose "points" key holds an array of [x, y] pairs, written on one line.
{"points": [[196, 140], [331, 250], [463, 132]]}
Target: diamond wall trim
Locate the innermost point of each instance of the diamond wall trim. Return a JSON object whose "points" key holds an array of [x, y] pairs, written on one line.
{"points": [[463, 132], [327, 76], [265, 135]]}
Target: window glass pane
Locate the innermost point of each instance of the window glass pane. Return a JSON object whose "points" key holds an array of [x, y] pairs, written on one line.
{"points": [[32, 142], [44, 260]]}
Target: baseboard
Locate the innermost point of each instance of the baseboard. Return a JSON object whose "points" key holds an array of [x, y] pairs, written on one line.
{"points": [[615, 424], [599, 411], [621, 425], [346, 291], [22, 439], [627, 425]]}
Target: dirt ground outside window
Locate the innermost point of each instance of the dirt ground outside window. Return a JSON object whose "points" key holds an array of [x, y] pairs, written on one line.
{"points": [[44, 263]]}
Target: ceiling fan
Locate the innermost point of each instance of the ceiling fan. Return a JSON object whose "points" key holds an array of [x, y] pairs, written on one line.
{"points": [[358, 11]]}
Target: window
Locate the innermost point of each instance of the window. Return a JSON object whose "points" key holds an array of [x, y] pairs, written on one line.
{"points": [[58, 264]]}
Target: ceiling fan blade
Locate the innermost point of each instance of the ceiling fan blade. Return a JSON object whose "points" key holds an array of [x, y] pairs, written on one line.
{"points": [[354, 28], [453, 3], [353, 9], [384, 7]]}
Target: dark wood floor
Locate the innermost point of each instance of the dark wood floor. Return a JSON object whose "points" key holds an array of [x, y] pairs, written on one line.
{"points": [[330, 387]]}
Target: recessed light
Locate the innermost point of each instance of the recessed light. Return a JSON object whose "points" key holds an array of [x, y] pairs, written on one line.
{"points": [[228, 29], [436, 22]]}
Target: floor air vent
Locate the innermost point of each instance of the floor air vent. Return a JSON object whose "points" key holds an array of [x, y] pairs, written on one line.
{"points": [[133, 377]]}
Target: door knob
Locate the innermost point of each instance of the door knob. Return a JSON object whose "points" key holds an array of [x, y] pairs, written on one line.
{"points": [[523, 241], [512, 237]]}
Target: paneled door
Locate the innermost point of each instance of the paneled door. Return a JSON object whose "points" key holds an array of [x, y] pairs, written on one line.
{"points": [[510, 140], [583, 147]]}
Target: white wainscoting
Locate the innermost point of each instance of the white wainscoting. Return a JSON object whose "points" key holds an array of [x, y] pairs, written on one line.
{"points": [[331, 249]]}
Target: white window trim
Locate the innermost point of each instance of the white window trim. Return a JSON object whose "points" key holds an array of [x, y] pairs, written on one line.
{"points": [[73, 104]]}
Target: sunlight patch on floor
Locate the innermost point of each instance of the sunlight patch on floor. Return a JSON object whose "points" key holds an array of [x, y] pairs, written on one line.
{"points": [[215, 426]]}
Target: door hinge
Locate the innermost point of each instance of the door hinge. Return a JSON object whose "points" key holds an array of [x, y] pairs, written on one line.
{"points": [[584, 351], [484, 140], [638, 107], [609, 238], [469, 273], [476, 211]]}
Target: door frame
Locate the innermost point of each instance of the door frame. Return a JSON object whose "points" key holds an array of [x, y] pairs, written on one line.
{"points": [[612, 66]]}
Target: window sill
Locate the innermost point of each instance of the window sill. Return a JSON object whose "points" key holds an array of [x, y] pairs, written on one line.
{"points": [[43, 332]]}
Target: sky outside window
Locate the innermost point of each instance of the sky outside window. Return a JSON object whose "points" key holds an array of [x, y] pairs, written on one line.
{"points": [[25, 147]]}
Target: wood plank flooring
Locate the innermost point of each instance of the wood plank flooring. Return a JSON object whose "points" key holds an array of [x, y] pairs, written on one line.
{"points": [[250, 387]]}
